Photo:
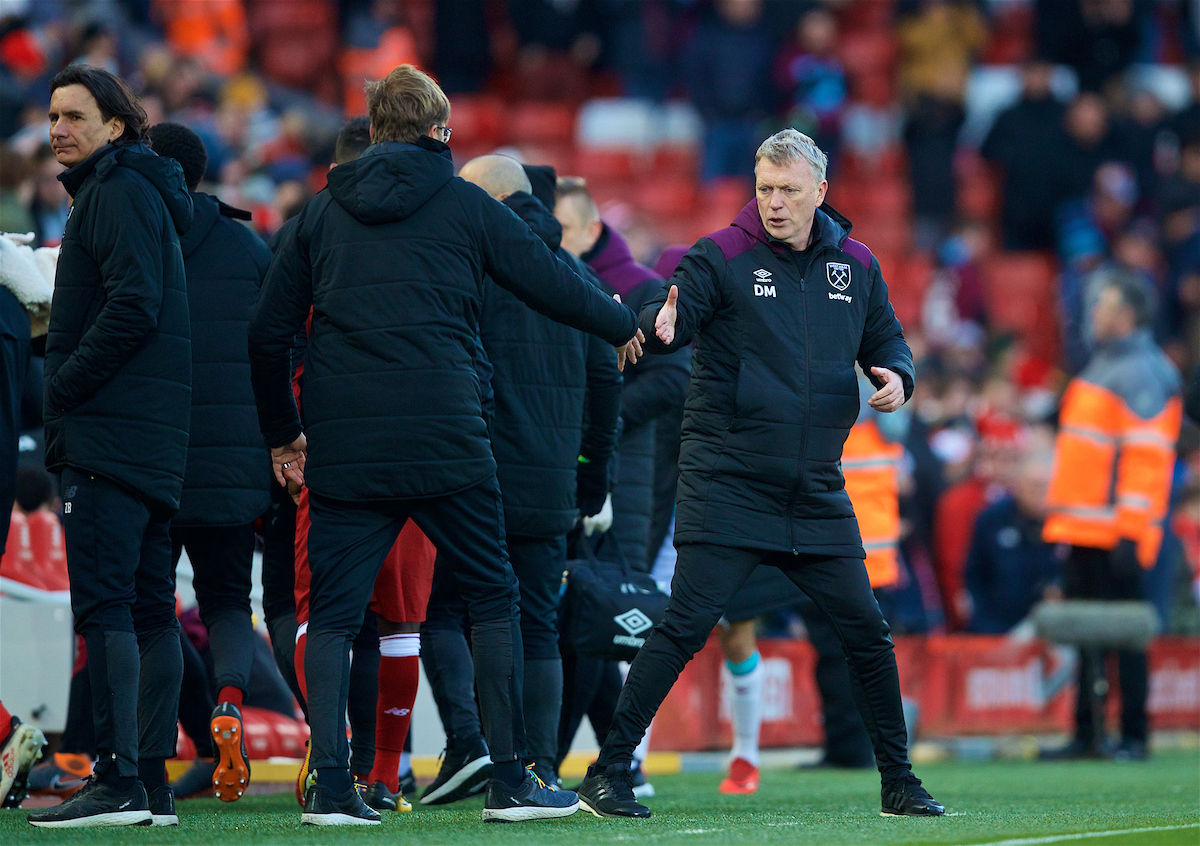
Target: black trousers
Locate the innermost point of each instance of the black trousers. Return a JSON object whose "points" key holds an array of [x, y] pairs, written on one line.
{"points": [[123, 597], [222, 558], [847, 743], [1089, 574], [538, 564], [706, 577], [347, 544], [279, 585]]}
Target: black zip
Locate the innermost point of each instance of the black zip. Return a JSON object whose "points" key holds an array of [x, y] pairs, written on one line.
{"points": [[807, 392]]}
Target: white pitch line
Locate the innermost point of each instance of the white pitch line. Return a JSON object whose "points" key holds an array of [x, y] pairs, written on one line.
{"points": [[1059, 838]]}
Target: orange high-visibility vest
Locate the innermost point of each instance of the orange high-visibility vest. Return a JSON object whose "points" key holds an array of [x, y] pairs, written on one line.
{"points": [[871, 467], [1112, 466], [215, 31]]}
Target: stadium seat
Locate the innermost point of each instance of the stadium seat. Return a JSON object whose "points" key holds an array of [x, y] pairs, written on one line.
{"points": [[478, 120], [1011, 38], [1021, 290], [665, 195], [18, 562], [561, 157], [596, 164], [869, 52], [261, 740], [49, 550], [677, 160], [542, 123]]}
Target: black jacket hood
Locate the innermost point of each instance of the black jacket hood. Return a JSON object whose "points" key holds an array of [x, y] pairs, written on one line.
{"points": [[544, 180], [833, 228], [390, 181], [164, 174], [540, 220], [208, 210]]}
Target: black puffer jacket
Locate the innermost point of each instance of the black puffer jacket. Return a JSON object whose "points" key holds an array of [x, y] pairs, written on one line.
{"points": [[118, 355], [228, 470], [653, 388], [544, 373], [392, 259], [773, 390]]}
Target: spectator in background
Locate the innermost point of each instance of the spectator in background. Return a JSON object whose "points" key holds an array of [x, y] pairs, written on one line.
{"points": [[1090, 142], [227, 482], [812, 80], [14, 216], [1098, 38], [1009, 567], [1118, 424], [1019, 143], [727, 67], [1179, 199], [50, 204], [215, 32]]}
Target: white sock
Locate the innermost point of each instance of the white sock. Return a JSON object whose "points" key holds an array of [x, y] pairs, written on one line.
{"points": [[746, 706]]}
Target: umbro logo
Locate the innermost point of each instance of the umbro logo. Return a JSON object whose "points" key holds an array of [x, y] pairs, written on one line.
{"points": [[761, 288], [633, 621]]}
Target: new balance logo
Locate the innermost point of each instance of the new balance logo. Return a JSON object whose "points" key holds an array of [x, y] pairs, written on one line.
{"points": [[633, 621], [841, 297], [397, 712], [761, 288]]}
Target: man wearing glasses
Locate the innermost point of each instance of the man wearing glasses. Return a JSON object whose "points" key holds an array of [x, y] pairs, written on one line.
{"points": [[391, 260]]}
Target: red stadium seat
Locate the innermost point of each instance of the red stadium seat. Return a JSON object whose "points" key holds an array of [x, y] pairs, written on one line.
{"points": [[866, 53], [478, 120], [49, 549], [561, 157], [682, 161], [19, 563], [665, 196], [604, 163], [542, 123], [261, 740], [1022, 291]]}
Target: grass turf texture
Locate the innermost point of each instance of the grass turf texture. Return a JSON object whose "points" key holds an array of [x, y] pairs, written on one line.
{"points": [[986, 802]]}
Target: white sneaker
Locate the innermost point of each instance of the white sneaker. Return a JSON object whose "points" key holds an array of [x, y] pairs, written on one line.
{"points": [[21, 750]]}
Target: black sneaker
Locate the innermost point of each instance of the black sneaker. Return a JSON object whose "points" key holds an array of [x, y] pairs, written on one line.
{"points": [[462, 774], [608, 792], [1131, 750], [533, 800], [408, 784], [377, 796], [197, 780], [21, 748], [162, 806], [1077, 750], [642, 789], [907, 798], [97, 805], [324, 807]]}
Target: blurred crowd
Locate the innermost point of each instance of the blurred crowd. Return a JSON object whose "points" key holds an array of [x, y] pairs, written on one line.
{"points": [[997, 154]]}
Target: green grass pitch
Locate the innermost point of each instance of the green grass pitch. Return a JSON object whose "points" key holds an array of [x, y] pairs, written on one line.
{"points": [[1015, 802]]}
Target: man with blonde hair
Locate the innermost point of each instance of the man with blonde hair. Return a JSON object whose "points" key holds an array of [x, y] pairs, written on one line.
{"points": [[780, 305], [391, 260]]}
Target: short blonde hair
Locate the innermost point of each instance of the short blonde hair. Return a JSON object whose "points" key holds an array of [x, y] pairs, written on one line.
{"points": [[575, 189], [791, 145], [404, 104]]}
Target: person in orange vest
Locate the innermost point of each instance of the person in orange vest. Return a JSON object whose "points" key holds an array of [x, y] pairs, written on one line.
{"points": [[871, 460], [1118, 425]]}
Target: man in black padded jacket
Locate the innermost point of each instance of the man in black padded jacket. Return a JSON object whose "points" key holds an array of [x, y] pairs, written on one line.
{"points": [[780, 304], [391, 260]]}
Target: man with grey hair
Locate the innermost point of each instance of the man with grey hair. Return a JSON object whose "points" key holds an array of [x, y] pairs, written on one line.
{"points": [[779, 306]]}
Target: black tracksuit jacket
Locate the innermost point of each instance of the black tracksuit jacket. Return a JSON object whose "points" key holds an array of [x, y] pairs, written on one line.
{"points": [[118, 354], [773, 389], [391, 260], [544, 373], [228, 477]]}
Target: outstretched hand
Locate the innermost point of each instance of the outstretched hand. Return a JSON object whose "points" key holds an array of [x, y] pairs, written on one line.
{"points": [[664, 324], [288, 461], [632, 350], [891, 395]]}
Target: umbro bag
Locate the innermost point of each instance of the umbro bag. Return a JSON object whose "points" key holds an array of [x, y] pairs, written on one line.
{"points": [[608, 608]]}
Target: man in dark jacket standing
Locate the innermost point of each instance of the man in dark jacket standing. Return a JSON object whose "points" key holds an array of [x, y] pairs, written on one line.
{"points": [[780, 304], [543, 375], [391, 260], [226, 486], [118, 407]]}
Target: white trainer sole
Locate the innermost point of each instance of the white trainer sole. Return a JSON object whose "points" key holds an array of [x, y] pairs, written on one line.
{"points": [[470, 769], [164, 819], [334, 819], [525, 814], [116, 818]]}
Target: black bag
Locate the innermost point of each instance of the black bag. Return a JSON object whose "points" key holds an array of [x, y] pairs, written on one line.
{"points": [[609, 608]]}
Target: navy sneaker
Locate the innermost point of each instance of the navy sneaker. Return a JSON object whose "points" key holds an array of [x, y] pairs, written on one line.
{"points": [[533, 800], [907, 798], [462, 774], [608, 792], [324, 807], [97, 805], [162, 806]]}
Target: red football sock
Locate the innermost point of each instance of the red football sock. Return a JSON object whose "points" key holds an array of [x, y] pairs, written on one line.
{"points": [[301, 680], [6, 721], [398, 679], [231, 694]]}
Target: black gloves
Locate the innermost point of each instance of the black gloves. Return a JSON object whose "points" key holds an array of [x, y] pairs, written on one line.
{"points": [[591, 486]]}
